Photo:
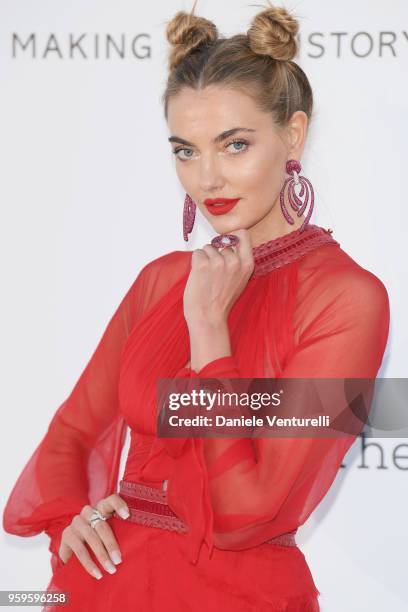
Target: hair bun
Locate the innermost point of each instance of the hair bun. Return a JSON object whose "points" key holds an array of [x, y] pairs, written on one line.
{"points": [[272, 32], [186, 32]]}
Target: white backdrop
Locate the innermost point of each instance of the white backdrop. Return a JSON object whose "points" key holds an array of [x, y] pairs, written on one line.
{"points": [[87, 175]]}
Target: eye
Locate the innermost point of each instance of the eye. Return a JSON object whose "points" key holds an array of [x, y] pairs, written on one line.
{"points": [[238, 142], [177, 151], [234, 149]]}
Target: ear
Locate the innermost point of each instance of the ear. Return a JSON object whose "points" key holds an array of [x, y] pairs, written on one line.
{"points": [[296, 134]]}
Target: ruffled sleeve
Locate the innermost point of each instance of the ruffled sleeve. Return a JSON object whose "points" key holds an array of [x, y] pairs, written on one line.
{"points": [[247, 491], [77, 461]]}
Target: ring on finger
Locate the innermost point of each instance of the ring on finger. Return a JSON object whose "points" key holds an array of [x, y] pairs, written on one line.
{"points": [[225, 240], [95, 517]]}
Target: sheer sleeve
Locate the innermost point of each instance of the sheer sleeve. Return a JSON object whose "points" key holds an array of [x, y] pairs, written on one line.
{"points": [[260, 488], [77, 461]]}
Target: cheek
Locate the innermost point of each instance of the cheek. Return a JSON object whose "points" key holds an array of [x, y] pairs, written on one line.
{"points": [[186, 178], [261, 175], [261, 167]]}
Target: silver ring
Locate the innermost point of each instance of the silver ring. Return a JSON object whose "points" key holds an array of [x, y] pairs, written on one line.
{"points": [[95, 517]]}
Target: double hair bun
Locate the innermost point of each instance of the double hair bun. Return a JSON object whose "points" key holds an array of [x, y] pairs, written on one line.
{"points": [[272, 33]]}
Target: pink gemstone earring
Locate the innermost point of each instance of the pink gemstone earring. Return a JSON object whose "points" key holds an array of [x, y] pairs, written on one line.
{"points": [[293, 168], [188, 215]]}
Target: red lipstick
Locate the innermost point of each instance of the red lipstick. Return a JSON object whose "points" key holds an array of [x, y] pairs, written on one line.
{"points": [[220, 206]]}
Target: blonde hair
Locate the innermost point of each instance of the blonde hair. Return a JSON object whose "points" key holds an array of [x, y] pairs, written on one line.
{"points": [[258, 62]]}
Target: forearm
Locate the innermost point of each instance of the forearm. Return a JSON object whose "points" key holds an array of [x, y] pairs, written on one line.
{"points": [[208, 341]]}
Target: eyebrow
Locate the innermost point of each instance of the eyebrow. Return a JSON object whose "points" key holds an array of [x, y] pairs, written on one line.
{"points": [[217, 139]]}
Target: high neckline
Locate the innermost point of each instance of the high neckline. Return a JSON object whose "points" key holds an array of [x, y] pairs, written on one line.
{"points": [[284, 249]]}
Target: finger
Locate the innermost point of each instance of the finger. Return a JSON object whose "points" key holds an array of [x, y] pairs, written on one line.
{"points": [[199, 253], [244, 247], [225, 256], [101, 537], [112, 503], [80, 550], [199, 258], [108, 505], [213, 254], [64, 551], [96, 537]]}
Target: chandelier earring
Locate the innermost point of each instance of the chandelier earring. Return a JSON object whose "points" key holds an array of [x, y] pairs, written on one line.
{"points": [[293, 168], [188, 216]]}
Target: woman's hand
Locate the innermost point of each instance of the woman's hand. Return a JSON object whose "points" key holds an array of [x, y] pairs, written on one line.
{"points": [[100, 539], [216, 280]]}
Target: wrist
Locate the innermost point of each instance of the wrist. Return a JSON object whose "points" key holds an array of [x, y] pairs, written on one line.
{"points": [[209, 340], [200, 325]]}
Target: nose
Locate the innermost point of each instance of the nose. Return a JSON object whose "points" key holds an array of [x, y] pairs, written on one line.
{"points": [[211, 177]]}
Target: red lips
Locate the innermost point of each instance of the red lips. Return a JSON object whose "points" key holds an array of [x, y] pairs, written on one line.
{"points": [[225, 205]]}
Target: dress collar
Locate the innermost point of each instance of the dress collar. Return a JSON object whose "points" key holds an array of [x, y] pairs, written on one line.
{"points": [[280, 251]]}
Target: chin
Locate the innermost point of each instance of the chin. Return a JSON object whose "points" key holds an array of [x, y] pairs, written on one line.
{"points": [[225, 226], [225, 229]]}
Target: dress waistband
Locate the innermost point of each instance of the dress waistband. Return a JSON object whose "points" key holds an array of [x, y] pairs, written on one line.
{"points": [[148, 506]]}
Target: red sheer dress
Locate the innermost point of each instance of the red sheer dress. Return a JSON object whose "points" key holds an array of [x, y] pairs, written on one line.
{"points": [[309, 310]]}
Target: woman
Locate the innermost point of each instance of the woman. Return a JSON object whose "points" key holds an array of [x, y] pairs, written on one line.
{"points": [[212, 521]]}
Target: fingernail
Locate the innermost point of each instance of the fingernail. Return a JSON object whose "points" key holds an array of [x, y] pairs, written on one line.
{"points": [[109, 567], [116, 557], [97, 573], [124, 512]]}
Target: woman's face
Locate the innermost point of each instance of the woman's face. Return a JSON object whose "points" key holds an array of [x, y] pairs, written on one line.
{"points": [[212, 161]]}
